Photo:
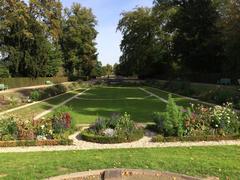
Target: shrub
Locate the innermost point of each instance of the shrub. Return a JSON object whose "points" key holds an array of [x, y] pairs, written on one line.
{"points": [[91, 137], [99, 125], [117, 129], [221, 96], [225, 119], [171, 123], [61, 120], [53, 91], [219, 120], [35, 95], [8, 128], [181, 87], [4, 72]]}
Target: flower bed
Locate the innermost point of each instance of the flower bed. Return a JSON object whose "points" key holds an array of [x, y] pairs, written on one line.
{"points": [[35, 143], [117, 129], [54, 130], [198, 123]]}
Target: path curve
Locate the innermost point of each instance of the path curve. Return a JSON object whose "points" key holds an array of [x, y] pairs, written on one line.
{"points": [[145, 142]]}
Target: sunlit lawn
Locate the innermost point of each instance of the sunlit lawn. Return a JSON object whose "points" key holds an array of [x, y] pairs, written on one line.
{"points": [[223, 161]]}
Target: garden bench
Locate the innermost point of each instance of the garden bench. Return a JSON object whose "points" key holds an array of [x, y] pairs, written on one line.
{"points": [[225, 81], [3, 87]]}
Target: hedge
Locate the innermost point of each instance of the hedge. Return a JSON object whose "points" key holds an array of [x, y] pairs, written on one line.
{"points": [[87, 136], [24, 82], [160, 138], [35, 143]]}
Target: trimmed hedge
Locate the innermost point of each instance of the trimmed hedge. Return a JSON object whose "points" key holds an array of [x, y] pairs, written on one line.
{"points": [[24, 82], [35, 143], [87, 136], [160, 138]]}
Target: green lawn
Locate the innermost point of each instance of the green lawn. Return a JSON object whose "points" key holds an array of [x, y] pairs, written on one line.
{"points": [[32, 111], [221, 161], [104, 101]]}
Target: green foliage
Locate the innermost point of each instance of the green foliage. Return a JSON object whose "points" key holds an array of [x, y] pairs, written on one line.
{"points": [[78, 41], [26, 47], [117, 129], [35, 95], [8, 129], [24, 82], [4, 72], [171, 122], [61, 120]]}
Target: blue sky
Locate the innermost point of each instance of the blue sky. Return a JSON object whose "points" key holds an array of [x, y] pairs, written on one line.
{"points": [[108, 14]]}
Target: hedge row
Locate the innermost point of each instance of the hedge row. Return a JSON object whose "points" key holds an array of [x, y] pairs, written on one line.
{"points": [[87, 136], [160, 138], [35, 143], [24, 82]]}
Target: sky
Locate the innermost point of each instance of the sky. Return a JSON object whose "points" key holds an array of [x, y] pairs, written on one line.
{"points": [[108, 13]]}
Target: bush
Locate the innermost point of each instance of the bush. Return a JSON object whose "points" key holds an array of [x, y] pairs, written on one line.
{"points": [[24, 82], [117, 129], [221, 96], [91, 137], [8, 129], [53, 91], [181, 87], [217, 120], [61, 120], [4, 72], [171, 123], [35, 95]]}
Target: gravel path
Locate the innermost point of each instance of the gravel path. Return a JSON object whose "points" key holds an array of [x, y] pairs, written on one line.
{"points": [[145, 142], [154, 95]]}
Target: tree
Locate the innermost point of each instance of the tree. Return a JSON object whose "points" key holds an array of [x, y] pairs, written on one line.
{"points": [[24, 45], [108, 70], [138, 29], [229, 24], [197, 42], [78, 41]]}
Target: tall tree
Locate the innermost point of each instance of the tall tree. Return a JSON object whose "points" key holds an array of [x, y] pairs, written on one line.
{"points": [[197, 41], [24, 46], [230, 26], [139, 44], [78, 42]]}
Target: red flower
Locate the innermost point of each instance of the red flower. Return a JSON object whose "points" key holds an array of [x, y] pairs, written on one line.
{"points": [[68, 120]]}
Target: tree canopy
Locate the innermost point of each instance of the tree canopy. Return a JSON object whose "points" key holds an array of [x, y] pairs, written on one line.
{"points": [[38, 38], [180, 37]]}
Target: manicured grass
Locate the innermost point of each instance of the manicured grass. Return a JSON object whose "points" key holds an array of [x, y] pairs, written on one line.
{"points": [[223, 162], [105, 101], [36, 109]]}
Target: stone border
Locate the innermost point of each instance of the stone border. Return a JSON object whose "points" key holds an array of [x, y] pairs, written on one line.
{"points": [[119, 174]]}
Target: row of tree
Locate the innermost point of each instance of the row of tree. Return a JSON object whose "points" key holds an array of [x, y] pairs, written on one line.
{"points": [[39, 37], [181, 36]]}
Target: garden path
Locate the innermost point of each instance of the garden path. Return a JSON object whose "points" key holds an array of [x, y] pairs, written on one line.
{"points": [[154, 95], [61, 104], [145, 142]]}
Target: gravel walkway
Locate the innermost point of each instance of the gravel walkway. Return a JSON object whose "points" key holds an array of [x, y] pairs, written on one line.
{"points": [[145, 142]]}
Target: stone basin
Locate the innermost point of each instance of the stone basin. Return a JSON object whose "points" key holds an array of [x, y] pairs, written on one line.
{"points": [[124, 174]]}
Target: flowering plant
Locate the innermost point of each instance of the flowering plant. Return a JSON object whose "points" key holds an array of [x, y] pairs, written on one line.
{"points": [[224, 119], [213, 120]]}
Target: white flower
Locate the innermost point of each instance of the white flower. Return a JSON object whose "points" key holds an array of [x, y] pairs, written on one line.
{"points": [[42, 126], [216, 125]]}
